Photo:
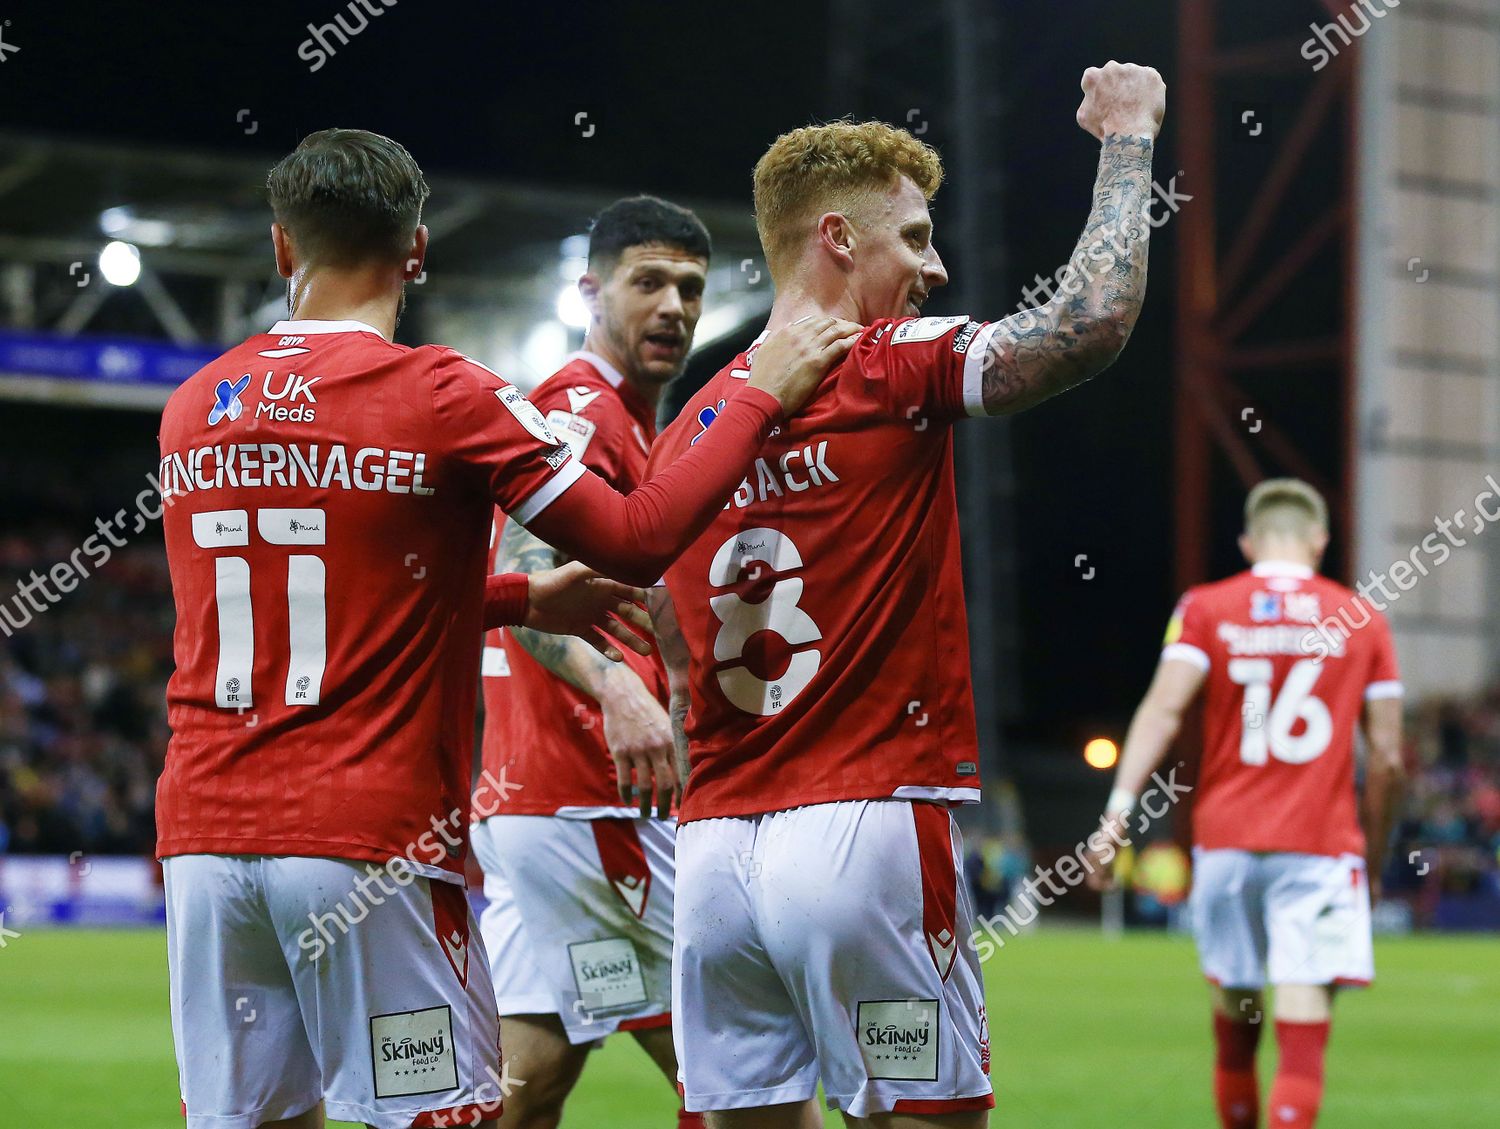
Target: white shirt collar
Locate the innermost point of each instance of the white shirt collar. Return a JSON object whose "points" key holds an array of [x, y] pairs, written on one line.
{"points": [[606, 370], [1282, 568], [283, 328]]}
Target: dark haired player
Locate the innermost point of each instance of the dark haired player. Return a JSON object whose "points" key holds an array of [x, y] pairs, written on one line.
{"points": [[330, 496], [575, 884]]}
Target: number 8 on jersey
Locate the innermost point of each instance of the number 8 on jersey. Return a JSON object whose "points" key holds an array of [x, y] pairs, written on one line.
{"points": [[756, 559]]}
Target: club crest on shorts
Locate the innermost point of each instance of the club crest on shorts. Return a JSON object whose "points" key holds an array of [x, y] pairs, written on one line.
{"points": [[898, 1039], [984, 1039], [411, 1052]]}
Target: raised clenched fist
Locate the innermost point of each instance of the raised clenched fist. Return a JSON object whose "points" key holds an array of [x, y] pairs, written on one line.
{"points": [[1122, 98]]}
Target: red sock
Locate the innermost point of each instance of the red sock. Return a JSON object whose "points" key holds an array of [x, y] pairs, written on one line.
{"points": [[1236, 1091], [686, 1120], [1298, 1089]]}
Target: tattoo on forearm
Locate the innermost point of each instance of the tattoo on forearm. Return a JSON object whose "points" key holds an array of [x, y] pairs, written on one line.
{"points": [[570, 658], [523, 551], [679, 712], [1084, 324], [674, 653]]}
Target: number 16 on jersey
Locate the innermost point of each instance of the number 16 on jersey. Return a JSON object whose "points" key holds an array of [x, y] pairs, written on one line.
{"points": [[1267, 725]]}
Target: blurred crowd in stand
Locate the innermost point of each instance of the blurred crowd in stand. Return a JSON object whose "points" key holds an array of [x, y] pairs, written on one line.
{"points": [[82, 698]]}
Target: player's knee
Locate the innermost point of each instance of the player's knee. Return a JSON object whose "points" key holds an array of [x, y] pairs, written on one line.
{"points": [[658, 1045], [536, 1107], [1241, 1005], [798, 1115], [1304, 1003], [538, 1102]]}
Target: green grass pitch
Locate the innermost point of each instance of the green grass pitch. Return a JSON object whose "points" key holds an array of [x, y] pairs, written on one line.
{"points": [[1085, 1032]]}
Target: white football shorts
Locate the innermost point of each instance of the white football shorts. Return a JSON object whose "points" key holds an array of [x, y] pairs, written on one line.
{"points": [[579, 920], [295, 980], [829, 941], [1286, 918]]}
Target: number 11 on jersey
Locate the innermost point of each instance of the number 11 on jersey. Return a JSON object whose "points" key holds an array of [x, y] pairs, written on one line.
{"points": [[306, 601]]}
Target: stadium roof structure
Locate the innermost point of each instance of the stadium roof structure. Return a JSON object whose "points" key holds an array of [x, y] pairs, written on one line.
{"points": [[502, 260]]}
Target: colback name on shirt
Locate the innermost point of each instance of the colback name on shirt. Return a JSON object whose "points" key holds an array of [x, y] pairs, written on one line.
{"points": [[797, 470]]}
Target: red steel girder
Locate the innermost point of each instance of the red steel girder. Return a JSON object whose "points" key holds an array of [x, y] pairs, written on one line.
{"points": [[1220, 298]]}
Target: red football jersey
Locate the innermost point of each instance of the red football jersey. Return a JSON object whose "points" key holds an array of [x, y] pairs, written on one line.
{"points": [[824, 607], [329, 505], [1284, 698], [543, 738]]}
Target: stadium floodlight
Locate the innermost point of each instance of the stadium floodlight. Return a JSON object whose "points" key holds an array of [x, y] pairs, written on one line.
{"points": [[571, 310], [1101, 753], [120, 263]]}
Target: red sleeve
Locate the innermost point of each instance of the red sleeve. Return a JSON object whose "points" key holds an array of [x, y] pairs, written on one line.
{"points": [[505, 599], [1385, 673], [930, 367], [489, 425], [593, 431], [634, 537], [1189, 632]]}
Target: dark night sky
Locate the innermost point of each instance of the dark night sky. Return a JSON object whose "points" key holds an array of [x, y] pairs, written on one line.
{"points": [[685, 97]]}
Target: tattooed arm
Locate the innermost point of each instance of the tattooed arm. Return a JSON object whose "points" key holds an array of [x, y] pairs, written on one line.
{"points": [[636, 729], [1076, 335], [674, 653], [569, 658]]}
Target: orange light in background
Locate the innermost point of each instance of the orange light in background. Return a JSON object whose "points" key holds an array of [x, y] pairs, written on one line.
{"points": [[1101, 753]]}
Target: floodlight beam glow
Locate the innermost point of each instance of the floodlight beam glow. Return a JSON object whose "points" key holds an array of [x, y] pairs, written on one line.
{"points": [[571, 310], [1101, 753], [120, 263]]}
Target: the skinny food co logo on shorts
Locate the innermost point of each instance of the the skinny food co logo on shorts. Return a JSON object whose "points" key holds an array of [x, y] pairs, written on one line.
{"points": [[898, 1039]]}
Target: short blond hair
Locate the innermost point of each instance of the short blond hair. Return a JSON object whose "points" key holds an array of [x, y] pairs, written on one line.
{"points": [[832, 168], [1285, 506]]}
